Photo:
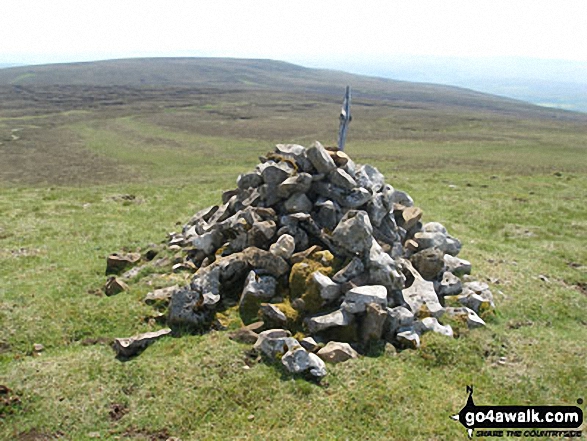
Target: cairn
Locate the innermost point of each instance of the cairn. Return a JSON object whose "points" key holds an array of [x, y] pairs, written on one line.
{"points": [[322, 258]]}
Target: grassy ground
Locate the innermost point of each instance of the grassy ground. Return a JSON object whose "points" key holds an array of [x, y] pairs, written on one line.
{"points": [[512, 189]]}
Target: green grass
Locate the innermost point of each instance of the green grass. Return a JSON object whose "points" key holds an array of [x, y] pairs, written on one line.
{"points": [[514, 196]]}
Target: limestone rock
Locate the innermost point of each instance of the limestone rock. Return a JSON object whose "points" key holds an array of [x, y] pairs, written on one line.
{"points": [[354, 232], [272, 314], [411, 216], [477, 296], [258, 289], [299, 183], [264, 260], [309, 344], [357, 299], [319, 323], [274, 173], [431, 324], [298, 202], [299, 361], [449, 285], [342, 179], [248, 180], [409, 339], [186, 310], [274, 342], [472, 319], [420, 296], [369, 177], [329, 290], [244, 335], [160, 296], [373, 324], [434, 234], [116, 263], [320, 158], [355, 198], [114, 285], [398, 318], [283, 247], [337, 352], [428, 262], [350, 271], [127, 347], [457, 266]]}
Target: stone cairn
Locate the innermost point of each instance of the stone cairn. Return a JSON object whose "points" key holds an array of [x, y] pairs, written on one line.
{"points": [[322, 259]]}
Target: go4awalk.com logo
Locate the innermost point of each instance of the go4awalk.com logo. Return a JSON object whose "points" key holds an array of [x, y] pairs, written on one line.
{"points": [[520, 421]]}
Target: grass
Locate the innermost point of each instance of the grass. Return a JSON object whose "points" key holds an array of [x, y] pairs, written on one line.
{"points": [[512, 189]]}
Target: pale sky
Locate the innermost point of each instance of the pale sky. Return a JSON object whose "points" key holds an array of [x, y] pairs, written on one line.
{"points": [[301, 31]]}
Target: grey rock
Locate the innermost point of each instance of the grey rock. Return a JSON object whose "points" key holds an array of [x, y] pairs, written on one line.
{"points": [[114, 286], [477, 296], [269, 195], [437, 239], [449, 285], [401, 198], [428, 262], [320, 158], [473, 320], [128, 347], [376, 209], [283, 247], [186, 310], [265, 261], [398, 318], [272, 314], [329, 290], [383, 269], [354, 268], [421, 294], [373, 324], [355, 198], [337, 352], [408, 338], [328, 215], [342, 179], [428, 324], [321, 322], [299, 183], [207, 282], [248, 180], [357, 299], [274, 342], [309, 344], [354, 232], [457, 266], [274, 173], [297, 153], [298, 202], [369, 177], [116, 263], [259, 286], [160, 296], [261, 234], [208, 242], [299, 361]]}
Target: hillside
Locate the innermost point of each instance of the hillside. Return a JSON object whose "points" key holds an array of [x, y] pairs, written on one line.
{"points": [[253, 75]]}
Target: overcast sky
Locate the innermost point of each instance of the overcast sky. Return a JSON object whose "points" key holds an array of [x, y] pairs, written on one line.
{"points": [[306, 32]]}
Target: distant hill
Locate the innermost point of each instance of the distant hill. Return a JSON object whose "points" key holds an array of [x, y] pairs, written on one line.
{"points": [[249, 74]]}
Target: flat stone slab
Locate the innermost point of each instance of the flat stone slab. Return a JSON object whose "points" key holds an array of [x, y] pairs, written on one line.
{"points": [[127, 347]]}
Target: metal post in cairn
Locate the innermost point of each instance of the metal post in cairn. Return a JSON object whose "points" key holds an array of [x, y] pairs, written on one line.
{"points": [[345, 119]]}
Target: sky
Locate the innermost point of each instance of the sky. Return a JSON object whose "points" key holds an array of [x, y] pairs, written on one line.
{"points": [[317, 33]]}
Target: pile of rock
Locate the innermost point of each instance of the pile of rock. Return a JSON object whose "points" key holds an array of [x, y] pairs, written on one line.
{"points": [[326, 255]]}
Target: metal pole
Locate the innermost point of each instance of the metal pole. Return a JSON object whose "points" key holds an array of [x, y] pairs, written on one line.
{"points": [[345, 119]]}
